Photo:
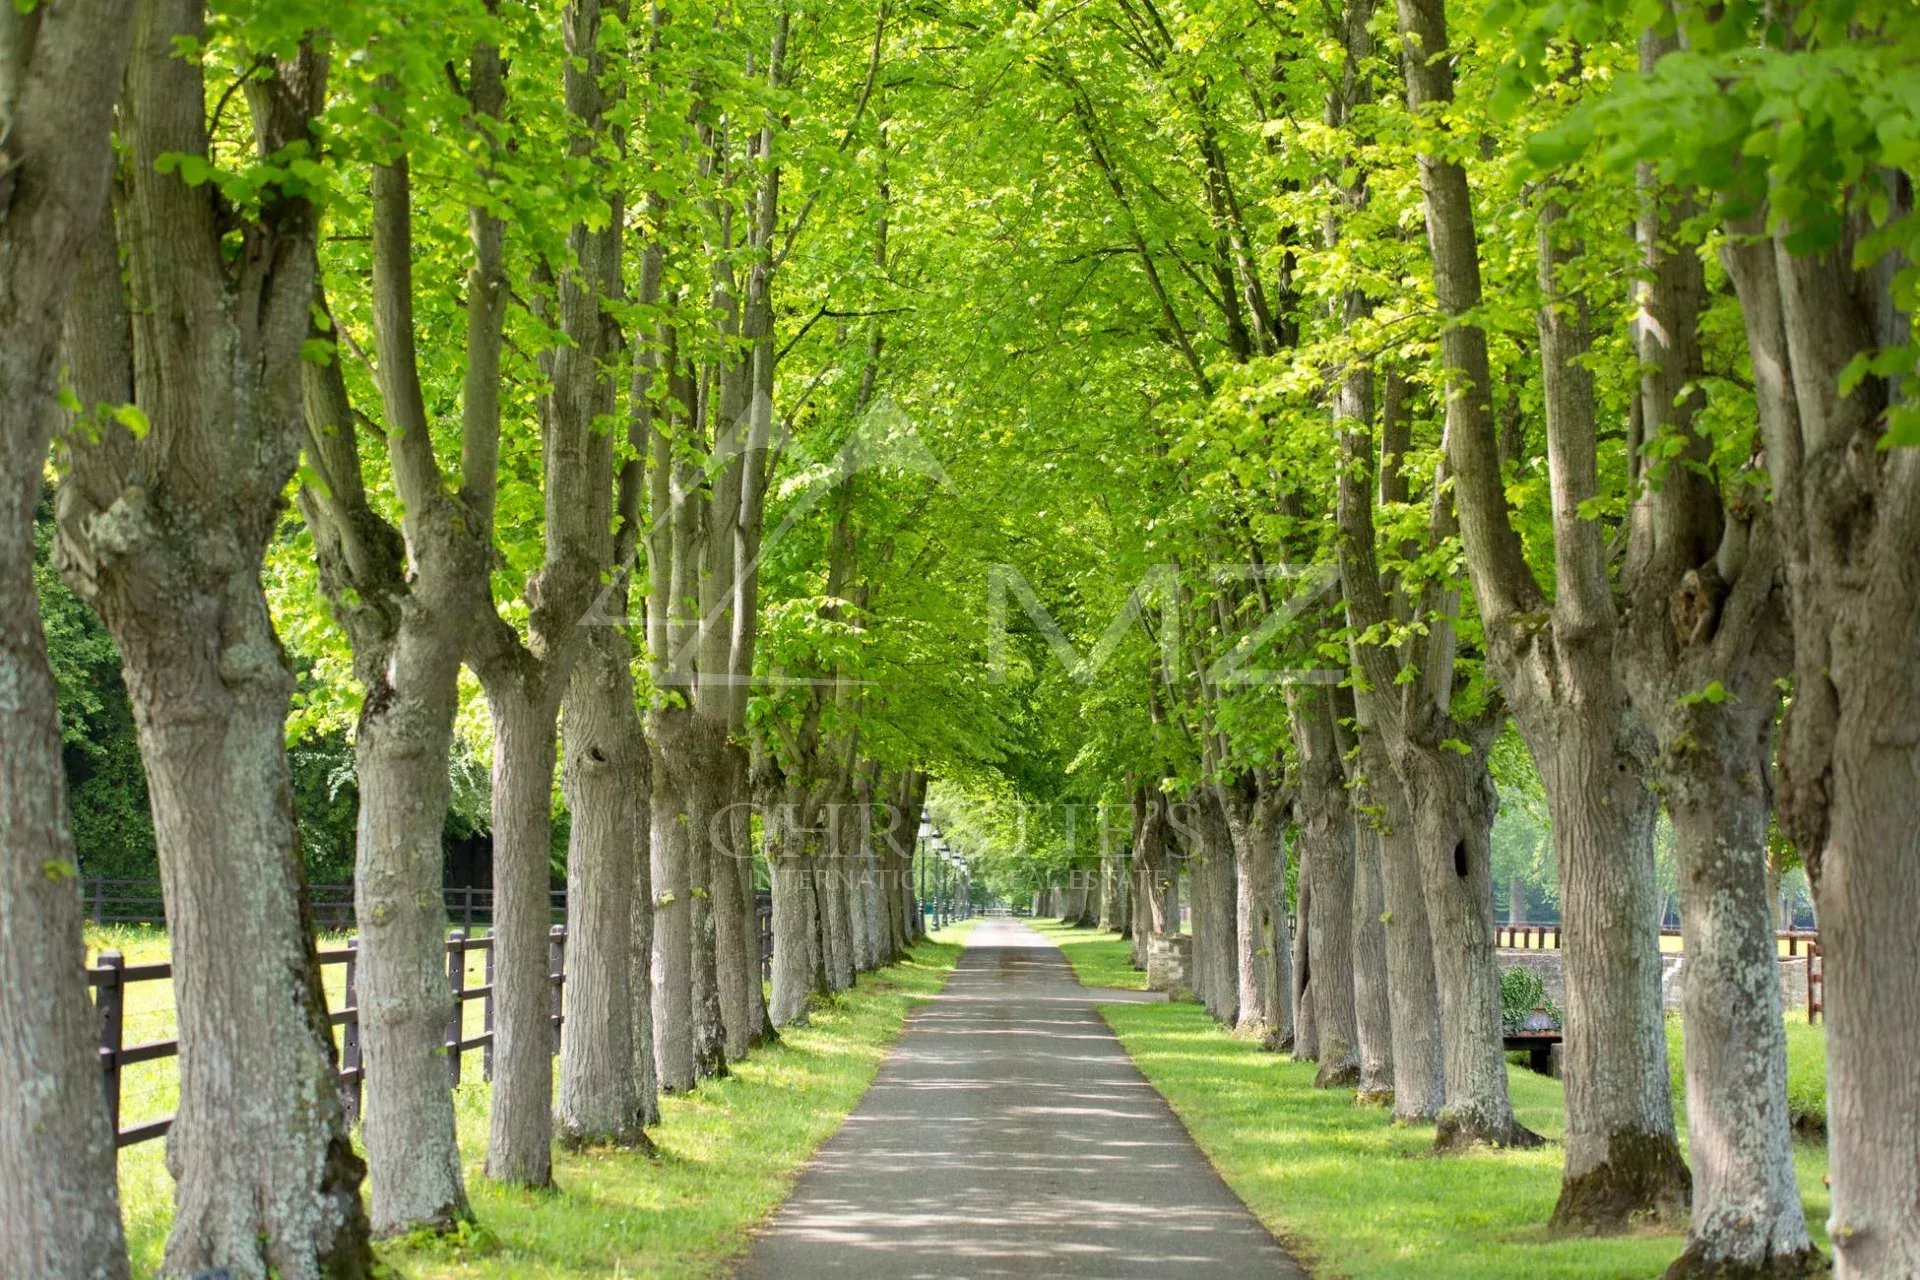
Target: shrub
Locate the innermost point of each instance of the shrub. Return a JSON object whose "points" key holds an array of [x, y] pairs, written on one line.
{"points": [[1522, 992]]}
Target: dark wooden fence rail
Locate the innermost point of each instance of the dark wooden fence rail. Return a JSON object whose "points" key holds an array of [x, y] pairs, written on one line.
{"points": [[110, 976]]}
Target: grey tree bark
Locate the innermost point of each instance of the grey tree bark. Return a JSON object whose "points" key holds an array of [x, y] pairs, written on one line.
{"points": [[1372, 1003], [1707, 603], [406, 597], [60, 69], [1850, 763], [1306, 1023], [165, 537], [1327, 857], [1554, 662], [600, 1100]]}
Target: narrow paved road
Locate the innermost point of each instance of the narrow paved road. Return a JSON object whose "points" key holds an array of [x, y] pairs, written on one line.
{"points": [[1009, 1134]]}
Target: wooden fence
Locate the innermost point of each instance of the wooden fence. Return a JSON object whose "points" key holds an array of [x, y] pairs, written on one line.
{"points": [[110, 977]]}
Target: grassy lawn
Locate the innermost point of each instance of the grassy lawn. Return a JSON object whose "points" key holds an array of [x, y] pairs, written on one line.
{"points": [[728, 1151], [1099, 958], [1355, 1196]]}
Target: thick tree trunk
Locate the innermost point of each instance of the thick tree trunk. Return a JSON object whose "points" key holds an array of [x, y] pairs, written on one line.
{"points": [[1850, 769], [1326, 831], [1327, 859], [599, 1098], [1622, 1160], [1516, 900], [711, 799], [1419, 1058], [400, 759], [1452, 801], [520, 1130], [700, 795], [259, 1096], [833, 884], [1747, 1218], [166, 536], [1223, 962], [1252, 814], [57, 1188], [794, 964], [1280, 957], [1372, 1003]]}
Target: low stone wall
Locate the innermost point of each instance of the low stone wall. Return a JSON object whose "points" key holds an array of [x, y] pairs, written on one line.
{"points": [[1169, 961], [1548, 965]]}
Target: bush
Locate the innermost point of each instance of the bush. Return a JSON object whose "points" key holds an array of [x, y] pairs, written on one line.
{"points": [[1522, 992]]}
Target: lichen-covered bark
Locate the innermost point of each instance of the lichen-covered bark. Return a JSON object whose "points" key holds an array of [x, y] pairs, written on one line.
{"points": [[520, 1121], [599, 1098], [59, 70], [1327, 858], [1373, 1014], [1706, 606], [1849, 759], [165, 536], [672, 970]]}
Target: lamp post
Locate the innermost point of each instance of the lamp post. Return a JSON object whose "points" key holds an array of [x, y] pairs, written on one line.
{"points": [[924, 846]]}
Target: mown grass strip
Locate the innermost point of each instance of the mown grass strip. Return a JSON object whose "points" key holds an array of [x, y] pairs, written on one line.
{"points": [[1355, 1196]]}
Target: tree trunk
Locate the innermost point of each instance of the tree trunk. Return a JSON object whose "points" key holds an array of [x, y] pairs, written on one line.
{"points": [[1327, 859], [1223, 934], [599, 1098], [731, 910], [1747, 1218], [1281, 956], [672, 927], [400, 761], [58, 1195], [1622, 1160], [166, 536], [794, 964], [1306, 1022], [833, 885], [1372, 1002], [1516, 900], [1849, 763], [1419, 1056], [520, 1129], [646, 1072], [1452, 801], [1251, 812], [57, 1187]]}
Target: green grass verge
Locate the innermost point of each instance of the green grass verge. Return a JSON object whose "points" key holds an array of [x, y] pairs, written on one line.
{"points": [[728, 1152], [1355, 1196], [1099, 958]]}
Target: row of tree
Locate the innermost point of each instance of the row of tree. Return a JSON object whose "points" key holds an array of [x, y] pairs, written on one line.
{"points": [[726, 416], [487, 289], [1550, 379]]}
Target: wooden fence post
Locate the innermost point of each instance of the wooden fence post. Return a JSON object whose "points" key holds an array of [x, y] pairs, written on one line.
{"points": [[557, 953], [457, 979], [109, 1006], [486, 1021], [350, 1031], [467, 910]]}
